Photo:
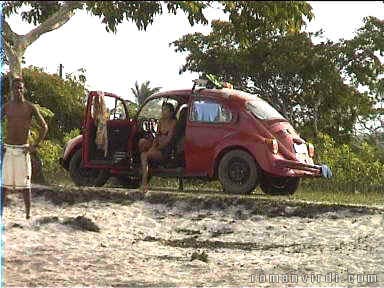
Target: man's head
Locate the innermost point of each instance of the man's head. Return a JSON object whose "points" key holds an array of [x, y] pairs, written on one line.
{"points": [[18, 89]]}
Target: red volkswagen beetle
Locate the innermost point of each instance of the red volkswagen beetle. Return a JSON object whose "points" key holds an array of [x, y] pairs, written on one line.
{"points": [[223, 134]]}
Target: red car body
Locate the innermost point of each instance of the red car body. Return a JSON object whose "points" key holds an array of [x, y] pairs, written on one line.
{"points": [[277, 149]]}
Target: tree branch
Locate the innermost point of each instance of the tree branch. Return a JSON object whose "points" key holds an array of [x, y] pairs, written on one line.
{"points": [[54, 22], [7, 47], [10, 38]]}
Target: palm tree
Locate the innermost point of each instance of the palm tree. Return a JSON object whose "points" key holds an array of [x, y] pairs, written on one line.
{"points": [[143, 91]]}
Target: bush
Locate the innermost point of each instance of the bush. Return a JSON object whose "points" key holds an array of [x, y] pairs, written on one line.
{"points": [[352, 165], [49, 153], [71, 134]]}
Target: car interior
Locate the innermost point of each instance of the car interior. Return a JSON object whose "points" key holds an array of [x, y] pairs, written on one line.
{"points": [[176, 157], [116, 135]]}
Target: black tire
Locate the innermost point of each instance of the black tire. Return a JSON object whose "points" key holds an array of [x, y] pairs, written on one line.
{"points": [[86, 176], [238, 172], [130, 182], [279, 185]]}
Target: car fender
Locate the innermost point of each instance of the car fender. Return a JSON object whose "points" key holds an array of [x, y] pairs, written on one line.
{"points": [[252, 143], [71, 147]]}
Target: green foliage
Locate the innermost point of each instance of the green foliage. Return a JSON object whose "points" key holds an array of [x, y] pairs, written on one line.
{"points": [[71, 134], [142, 13], [312, 85], [141, 92], [49, 153], [61, 101], [133, 108], [350, 163], [254, 18]]}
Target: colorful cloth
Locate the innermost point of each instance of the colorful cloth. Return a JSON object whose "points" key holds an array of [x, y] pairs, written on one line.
{"points": [[101, 118]]}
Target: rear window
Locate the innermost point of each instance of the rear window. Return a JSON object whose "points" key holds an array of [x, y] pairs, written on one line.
{"points": [[263, 110]]}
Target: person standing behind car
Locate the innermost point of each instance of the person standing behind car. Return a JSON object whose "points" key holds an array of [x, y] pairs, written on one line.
{"points": [[16, 162]]}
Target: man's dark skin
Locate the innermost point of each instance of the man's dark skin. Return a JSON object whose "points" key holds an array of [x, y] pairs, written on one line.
{"points": [[19, 113]]}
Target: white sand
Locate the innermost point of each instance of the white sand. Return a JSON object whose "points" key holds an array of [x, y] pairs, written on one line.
{"points": [[138, 246]]}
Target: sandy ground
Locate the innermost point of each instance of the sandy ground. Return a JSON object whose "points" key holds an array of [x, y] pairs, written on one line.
{"points": [[144, 243]]}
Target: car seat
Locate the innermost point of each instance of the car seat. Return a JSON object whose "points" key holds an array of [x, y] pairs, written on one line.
{"points": [[181, 124]]}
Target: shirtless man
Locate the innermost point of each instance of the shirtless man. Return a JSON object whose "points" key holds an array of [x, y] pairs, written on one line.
{"points": [[16, 159]]}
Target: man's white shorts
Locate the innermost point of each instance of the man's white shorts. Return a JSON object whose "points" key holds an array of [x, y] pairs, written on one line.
{"points": [[16, 167]]}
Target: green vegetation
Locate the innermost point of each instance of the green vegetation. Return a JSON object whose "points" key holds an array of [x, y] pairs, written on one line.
{"points": [[316, 86], [143, 91], [262, 49]]}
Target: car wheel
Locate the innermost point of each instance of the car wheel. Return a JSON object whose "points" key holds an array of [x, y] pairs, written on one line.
{"points": [[86, 176], [130, 182], [238, 172], [279, 185]]}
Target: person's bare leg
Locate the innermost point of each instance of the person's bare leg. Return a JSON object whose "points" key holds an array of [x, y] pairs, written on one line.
{"points": [[144, 145], [144, 167], [27, 202], [141, 145], [4, 199]]}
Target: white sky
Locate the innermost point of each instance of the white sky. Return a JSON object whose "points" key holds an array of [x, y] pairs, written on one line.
{"points": [[115, 61]]}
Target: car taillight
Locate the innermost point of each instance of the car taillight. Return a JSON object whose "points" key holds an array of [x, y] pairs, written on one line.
{"points": [[273, 145], [311, 150]]}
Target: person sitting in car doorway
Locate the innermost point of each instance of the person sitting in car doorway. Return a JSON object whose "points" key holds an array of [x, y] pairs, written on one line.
{"points": [[160, 147]]}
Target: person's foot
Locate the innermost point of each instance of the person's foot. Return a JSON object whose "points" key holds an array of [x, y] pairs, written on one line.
{"points": [[144, 189]]}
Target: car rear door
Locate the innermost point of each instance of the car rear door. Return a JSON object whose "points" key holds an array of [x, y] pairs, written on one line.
{"points": [[208, 123]]}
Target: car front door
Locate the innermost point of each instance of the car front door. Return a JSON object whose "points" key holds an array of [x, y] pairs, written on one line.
{"points": [[107, 130]]}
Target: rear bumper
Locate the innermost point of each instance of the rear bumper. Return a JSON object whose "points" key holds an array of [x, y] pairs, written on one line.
{"points": [[314, 170]]}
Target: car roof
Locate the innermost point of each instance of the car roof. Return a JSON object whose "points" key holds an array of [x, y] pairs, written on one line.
{"points": [[225, 93]]}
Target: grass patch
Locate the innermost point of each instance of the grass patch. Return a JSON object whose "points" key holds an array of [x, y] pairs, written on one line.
{"points": [[310, 190], [339, 197]]}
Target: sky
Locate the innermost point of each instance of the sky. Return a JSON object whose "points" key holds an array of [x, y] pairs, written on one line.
{"points": [[113, 62]]}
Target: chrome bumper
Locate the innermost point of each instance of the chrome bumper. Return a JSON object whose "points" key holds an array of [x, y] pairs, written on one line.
{"points": [[317, 170]]}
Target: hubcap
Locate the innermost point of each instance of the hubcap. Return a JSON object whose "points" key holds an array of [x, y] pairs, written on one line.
{"points": [[238, 171]]}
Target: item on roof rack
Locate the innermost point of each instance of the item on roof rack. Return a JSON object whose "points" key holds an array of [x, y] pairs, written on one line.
{"points": [[211, 82]]}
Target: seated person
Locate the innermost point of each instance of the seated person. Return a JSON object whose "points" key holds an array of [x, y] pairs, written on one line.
{"points": [[161, 146]]}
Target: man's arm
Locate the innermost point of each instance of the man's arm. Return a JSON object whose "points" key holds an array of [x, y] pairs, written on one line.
{"points": [[43, 125]]}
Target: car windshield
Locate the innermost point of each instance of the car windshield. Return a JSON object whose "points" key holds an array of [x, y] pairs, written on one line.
{"points": [[263, 110]]}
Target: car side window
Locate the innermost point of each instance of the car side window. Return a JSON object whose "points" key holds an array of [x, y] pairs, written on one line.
{"points": [[209, 111], [109, 107], [117, 110], [152, 109]]}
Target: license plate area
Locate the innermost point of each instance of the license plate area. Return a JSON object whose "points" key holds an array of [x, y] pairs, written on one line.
{"points": [[300, 148]]}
